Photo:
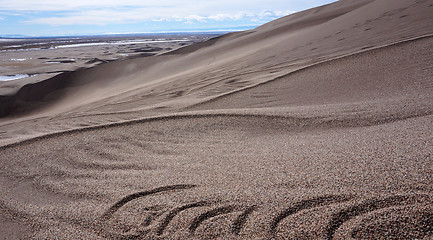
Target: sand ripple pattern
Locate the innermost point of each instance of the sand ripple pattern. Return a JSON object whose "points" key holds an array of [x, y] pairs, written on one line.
{"points": [[340, 217], [226, 176]]}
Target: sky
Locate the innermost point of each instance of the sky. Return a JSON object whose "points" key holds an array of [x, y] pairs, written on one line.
{"points": [[94, 17]]}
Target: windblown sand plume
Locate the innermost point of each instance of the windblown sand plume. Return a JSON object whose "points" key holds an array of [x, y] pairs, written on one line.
{"points": [[315, 126]]}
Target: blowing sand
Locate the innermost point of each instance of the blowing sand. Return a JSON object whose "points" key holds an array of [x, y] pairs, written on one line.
{"points": [[313, 126]]}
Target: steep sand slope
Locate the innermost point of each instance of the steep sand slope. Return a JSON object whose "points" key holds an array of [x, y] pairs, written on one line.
{"points": [[369, 78], [169, 83], [314, 126]]}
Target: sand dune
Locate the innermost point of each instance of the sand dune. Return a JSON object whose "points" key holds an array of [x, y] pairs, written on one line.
{"points": [[313, 126]]}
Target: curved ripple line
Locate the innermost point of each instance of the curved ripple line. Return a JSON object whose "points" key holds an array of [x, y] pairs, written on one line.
{"points": [[176, 211], [109, 213], [210, 214], [368, 206], [306, 204], [240, 221]]}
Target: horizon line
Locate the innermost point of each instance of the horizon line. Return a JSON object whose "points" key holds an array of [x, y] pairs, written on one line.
{"points": [[209, 31]]}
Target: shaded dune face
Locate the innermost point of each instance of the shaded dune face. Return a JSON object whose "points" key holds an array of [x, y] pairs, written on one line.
{"points": [[313, 126]]}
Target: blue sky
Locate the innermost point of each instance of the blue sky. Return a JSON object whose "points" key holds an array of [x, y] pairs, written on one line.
{"points": [[88, 17]]}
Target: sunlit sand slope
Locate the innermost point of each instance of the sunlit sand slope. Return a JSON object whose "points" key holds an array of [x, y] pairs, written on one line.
{"points": [[314, 126]]}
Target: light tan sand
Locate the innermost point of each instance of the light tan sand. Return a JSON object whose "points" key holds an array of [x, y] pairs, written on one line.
{"points": [[314, 126]]}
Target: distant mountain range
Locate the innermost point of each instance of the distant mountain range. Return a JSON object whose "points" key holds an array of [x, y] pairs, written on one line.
{"points": [[179, 31], [13, 36]]}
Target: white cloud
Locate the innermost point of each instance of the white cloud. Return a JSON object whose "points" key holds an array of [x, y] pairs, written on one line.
{"points": [[102, 12], [220, 17], [197, 18], [160, 19], [105, 16], [209, 7], [108, 16], [55, 5], [280, 13], [267, 14]]}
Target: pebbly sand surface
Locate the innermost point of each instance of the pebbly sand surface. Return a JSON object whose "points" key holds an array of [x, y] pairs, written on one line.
{"points": [[313, 126]]}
